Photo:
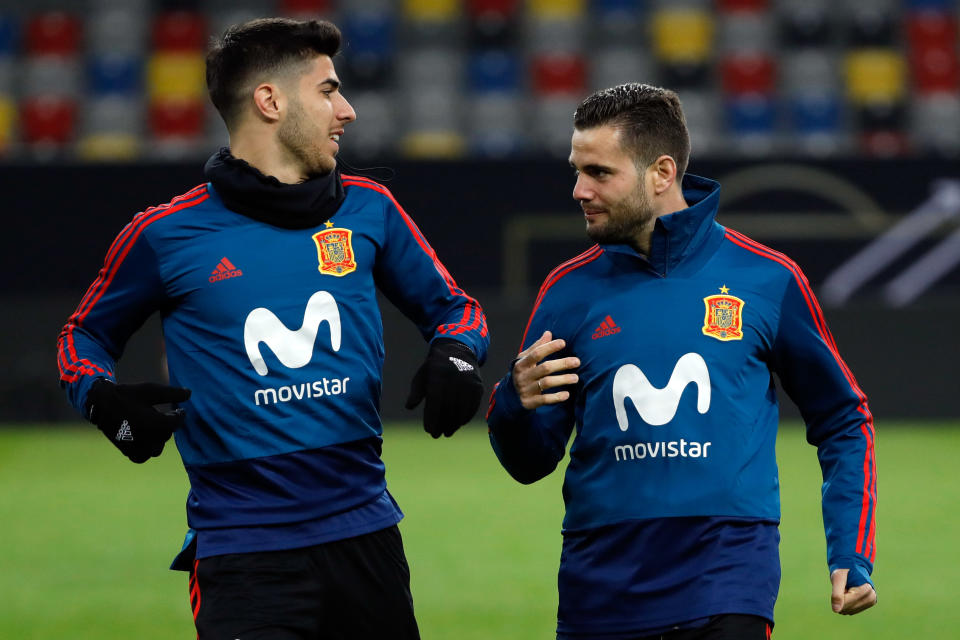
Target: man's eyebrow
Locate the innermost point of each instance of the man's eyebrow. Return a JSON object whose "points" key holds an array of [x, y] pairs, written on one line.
{"points": [[333, 82]]}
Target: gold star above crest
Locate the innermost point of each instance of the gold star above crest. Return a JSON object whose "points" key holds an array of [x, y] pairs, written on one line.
{"points": [[328, 223], [724, 289]]}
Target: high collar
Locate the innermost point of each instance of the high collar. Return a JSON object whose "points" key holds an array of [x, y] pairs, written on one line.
{"points": [[247, 191], [678, 235]]}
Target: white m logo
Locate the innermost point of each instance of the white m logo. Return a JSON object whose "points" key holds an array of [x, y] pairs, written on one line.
{"points": [[658, 406], [294, 349]]}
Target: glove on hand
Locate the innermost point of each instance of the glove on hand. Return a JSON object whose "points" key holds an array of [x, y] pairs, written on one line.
{"points": [[450, 381], [126, 415]]}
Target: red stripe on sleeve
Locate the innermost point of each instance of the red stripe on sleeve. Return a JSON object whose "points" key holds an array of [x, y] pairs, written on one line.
{"points": [[867, 523], [462, 327], [561, 270], [72, 365]]}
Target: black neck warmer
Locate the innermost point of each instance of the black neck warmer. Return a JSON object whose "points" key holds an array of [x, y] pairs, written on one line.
{"points": [[264, 198]]}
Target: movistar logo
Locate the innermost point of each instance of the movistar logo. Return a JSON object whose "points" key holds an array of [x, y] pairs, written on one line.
{"points": [[294, 349], [659, 406]]}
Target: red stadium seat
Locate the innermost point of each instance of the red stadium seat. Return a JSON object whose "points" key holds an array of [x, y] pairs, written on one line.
{"points": [[179, 31], [176, 118], [48, 119], [299, 7], [935, 70], [884, 144], [744, 73], [479, 8], [742, 5], [53, 33], [559, 73], [931, 29]]}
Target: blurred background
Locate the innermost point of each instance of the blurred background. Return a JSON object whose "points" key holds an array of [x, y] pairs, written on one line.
{"points": [[833, 126]]}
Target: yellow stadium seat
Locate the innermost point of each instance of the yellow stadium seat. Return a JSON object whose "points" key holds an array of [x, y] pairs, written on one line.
{"points": [[176, 75], [557, 9], [431, 10], [875, 75], [8, 122], [682, 35], [433, 145], [107, 147]]}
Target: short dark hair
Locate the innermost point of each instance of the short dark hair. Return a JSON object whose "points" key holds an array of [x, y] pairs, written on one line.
{"points": [[650, 120], [249, 51]]}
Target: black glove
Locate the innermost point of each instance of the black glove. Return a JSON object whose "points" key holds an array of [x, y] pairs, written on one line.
{"points": [[450, 381], [126, 415]]}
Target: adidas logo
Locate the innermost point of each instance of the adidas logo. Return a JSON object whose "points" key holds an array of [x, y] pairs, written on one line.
{"points": [[224, 270], [607, 328], [461, 365], [124, 433]]}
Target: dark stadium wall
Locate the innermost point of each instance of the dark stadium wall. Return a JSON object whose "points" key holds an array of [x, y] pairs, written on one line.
{"points": [[499, 227]]}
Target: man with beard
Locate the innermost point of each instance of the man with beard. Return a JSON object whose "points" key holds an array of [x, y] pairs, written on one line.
{"points": [[266, 278], [658, 345]]}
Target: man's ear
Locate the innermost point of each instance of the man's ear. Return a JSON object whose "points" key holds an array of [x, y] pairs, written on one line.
{"points": [[664, 173], [269, 101]]}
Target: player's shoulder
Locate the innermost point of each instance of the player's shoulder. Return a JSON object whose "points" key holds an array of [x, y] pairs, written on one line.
{"points": [[746, 251], [168, 212], [570, 272], [355, 185]]}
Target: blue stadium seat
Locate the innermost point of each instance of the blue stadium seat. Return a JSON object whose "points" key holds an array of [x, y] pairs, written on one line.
{"points": [[494, 70], [115, 73]]}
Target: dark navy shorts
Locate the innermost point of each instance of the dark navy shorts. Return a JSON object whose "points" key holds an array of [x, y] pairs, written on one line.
{"points": [[347, 589]]}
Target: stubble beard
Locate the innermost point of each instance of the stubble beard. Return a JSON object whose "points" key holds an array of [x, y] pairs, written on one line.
{"points": [[626, 220], [302, 139]]}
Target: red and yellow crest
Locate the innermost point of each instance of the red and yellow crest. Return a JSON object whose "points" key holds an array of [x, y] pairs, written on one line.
{"points": [[724, 318], [335, 252]]}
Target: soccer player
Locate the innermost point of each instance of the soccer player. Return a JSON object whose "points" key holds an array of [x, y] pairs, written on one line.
{"points": [[659, 346], [265, 278]]}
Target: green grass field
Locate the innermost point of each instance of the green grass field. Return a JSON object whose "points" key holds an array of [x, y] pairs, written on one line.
{"points": [[86, 539]]}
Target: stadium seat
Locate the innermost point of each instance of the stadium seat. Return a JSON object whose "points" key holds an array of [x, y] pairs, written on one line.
{"points": [[176, 118], [48, 120], [551, 123], [497, 124], [116, 32], [618, 23], [176, 76], [493, 23], [747, 73], [702, 110], [110, 129], [370, 39], [935, 123], [617, 65], [53, 33], [884, 144], [430, 68], [304, 8], [935, 70], [51, 75], [809, 69], [751, 116], [556, 9], [560, 73], [555, 35], [8, 124], [494, 71], [9, 34], [180, 31], [931, 29], [115, 73], [682, 35], [433, 115], [742, 5], [746, 31], [378, 125], [816, 125], [875, 75], [872, 24], [9, 66], [806, 23]]}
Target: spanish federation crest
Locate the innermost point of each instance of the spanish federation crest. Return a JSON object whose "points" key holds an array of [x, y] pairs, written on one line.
{"points": [[724, 318], [335, 252]]}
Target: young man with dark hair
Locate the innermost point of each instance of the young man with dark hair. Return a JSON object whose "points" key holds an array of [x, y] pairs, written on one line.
{"points": [[266, 278], [659, 346]]}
